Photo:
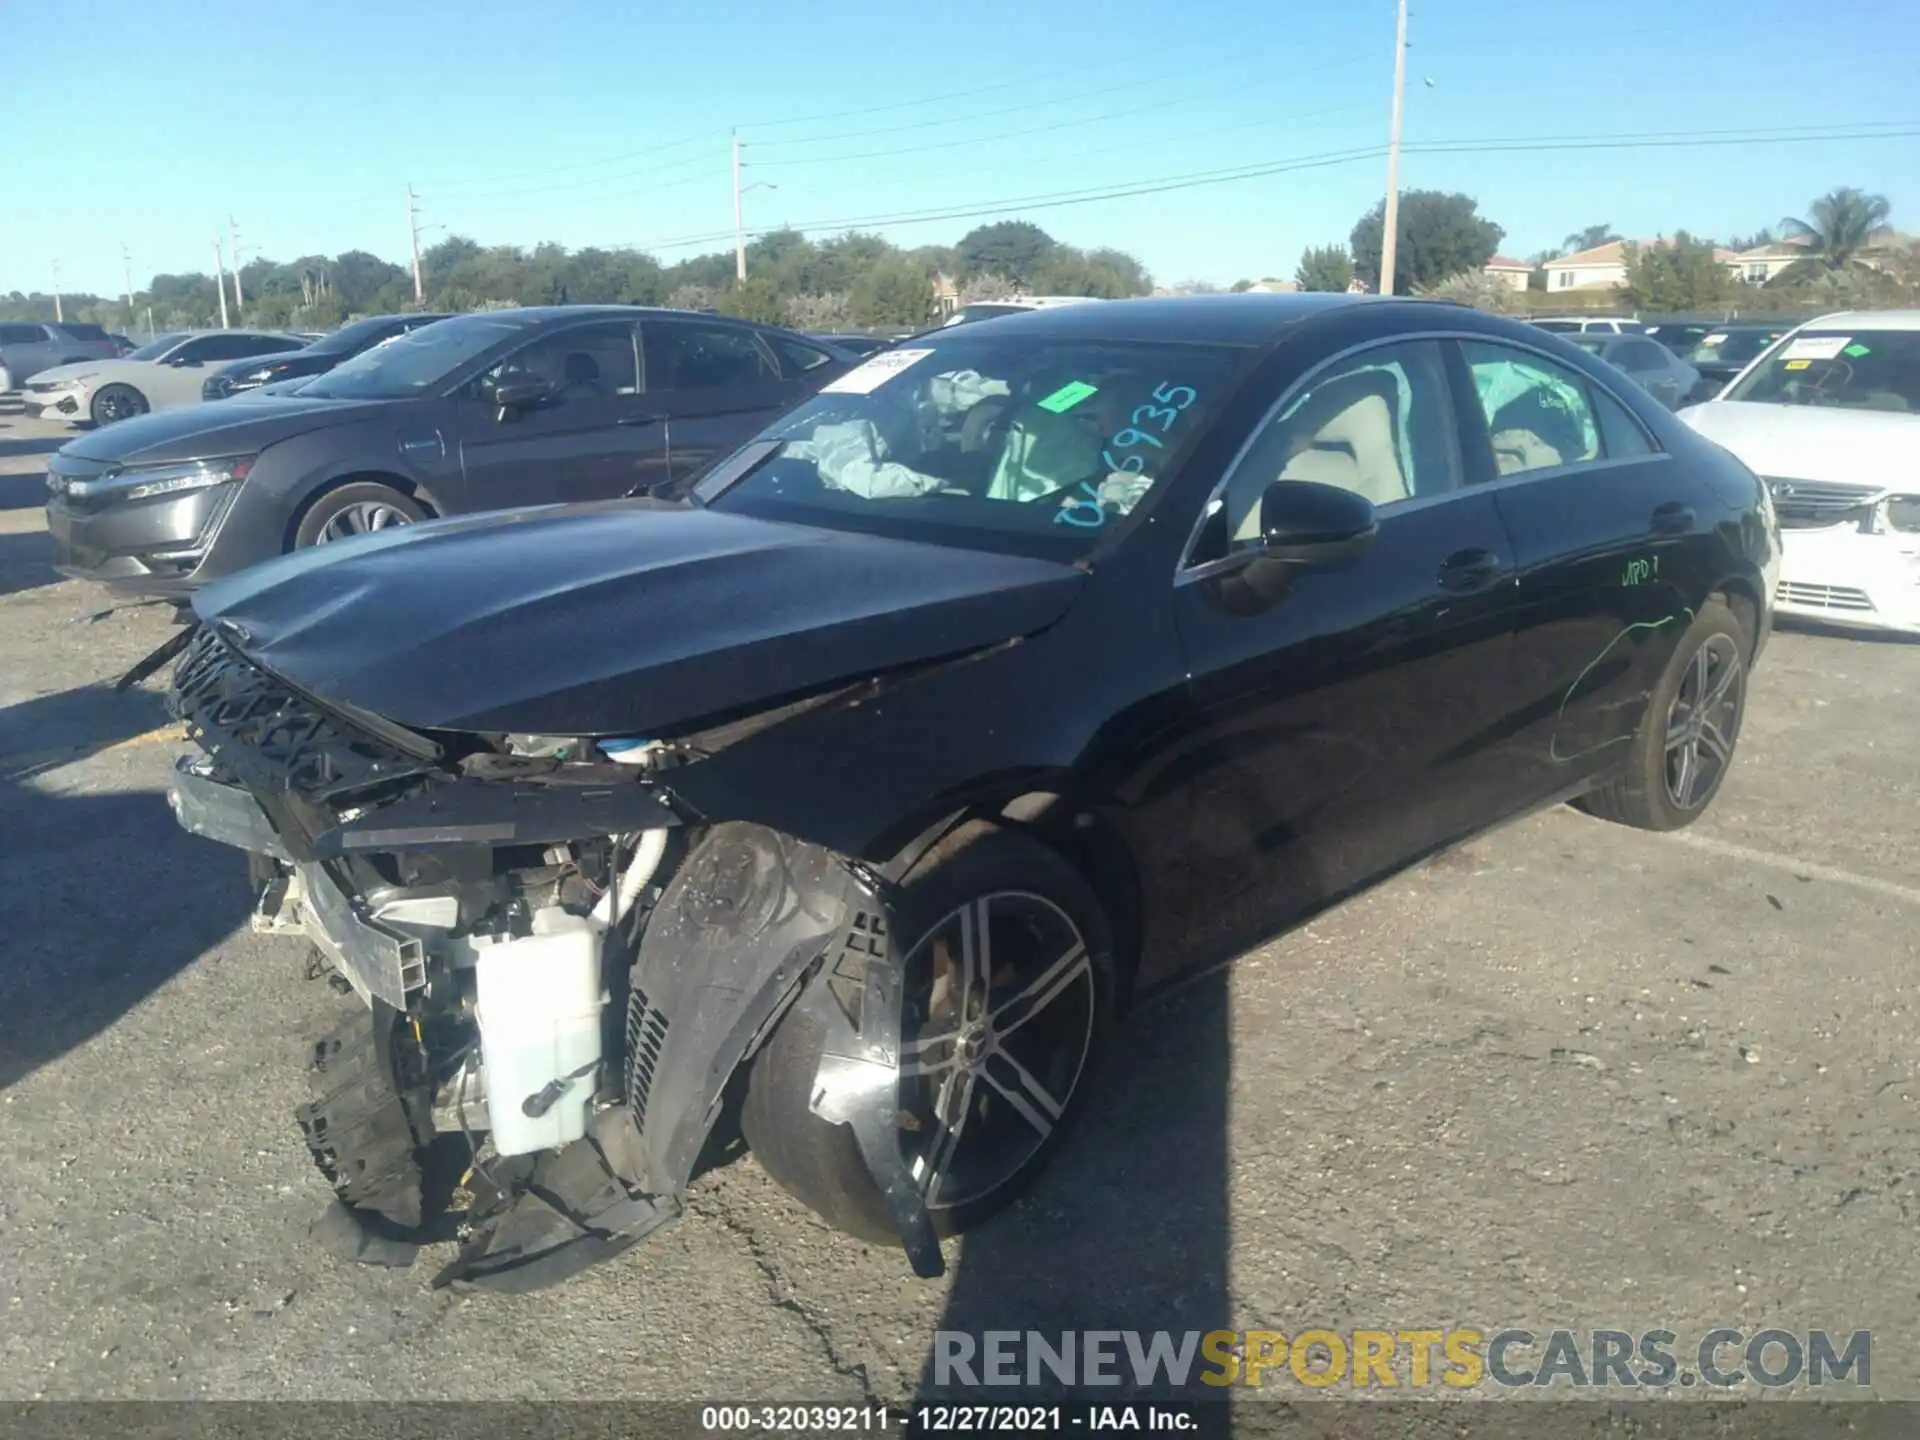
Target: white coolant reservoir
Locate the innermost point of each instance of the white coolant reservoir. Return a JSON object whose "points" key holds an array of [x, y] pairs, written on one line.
{"points": [[538, 1003]]}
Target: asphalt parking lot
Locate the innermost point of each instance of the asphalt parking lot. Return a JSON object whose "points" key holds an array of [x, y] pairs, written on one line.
{"points": [[1568, 1075]]}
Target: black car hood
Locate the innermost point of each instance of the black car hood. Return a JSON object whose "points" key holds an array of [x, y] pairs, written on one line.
{"points": [[195, 432], [619, 618]]}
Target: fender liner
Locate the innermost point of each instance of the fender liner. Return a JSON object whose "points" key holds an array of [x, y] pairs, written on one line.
{"points": [[754, 923]]}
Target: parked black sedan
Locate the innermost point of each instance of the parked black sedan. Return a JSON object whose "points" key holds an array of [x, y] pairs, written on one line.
{"points": [[316, 359], [480, 412], [1726, 350], [1018, 672]]}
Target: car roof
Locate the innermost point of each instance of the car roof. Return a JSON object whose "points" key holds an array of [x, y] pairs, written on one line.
{"points": [[1245, 319], [1868, 320]]}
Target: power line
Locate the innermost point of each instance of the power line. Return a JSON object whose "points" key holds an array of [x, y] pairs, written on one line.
{"points": [[545, 170], [1128, 189], [1128, 113], [1100, 92]]}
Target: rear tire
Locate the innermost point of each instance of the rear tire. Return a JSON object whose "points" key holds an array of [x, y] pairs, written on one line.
{"points": [[1684, 747], [116, 402], [1008, 1069], [363, 507]]}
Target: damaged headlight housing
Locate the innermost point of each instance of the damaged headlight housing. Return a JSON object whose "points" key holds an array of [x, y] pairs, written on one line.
{"points": [[143, 482]]}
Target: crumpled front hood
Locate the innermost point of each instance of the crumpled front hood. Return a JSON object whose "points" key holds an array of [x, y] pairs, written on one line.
{"points": [[619, 618], [1807, 442], [197, 432]]}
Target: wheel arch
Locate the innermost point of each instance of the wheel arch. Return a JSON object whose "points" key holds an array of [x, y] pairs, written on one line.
{"points": [[319, 490], [1740, 595]]}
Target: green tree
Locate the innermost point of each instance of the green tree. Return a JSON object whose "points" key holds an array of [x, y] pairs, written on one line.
{"points": [[1013, 248], [894, 292], [1591, 238], [758, 297], [1240, 287], [1840, 226], [1753, 241], [1676, 277], [1440, 235], [1103, 274], [1323, 267]]}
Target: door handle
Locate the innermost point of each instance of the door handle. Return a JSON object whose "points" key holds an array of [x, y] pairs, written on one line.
{"points": [[634, 422], [1466, 570], [1672, 518]]}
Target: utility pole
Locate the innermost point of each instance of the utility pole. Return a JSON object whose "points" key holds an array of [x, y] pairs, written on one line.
{"points": [[413, 229], [126, 266], [220, 279], [1390, 233], [233, 229], [57, 315], [739, 224]]}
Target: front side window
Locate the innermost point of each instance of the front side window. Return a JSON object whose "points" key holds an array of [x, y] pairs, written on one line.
{"points": [[1539, 414], [1030, 446], [1845, 370], [1379, 424], [584, 363], [705, 357], [156, 348], [796, 359]]}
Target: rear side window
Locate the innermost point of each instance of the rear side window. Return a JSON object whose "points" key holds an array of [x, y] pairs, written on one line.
{"points": [[1620, 434], [84, 332], [704, 357], [21, 335], [1539, 414], [796, 359]]}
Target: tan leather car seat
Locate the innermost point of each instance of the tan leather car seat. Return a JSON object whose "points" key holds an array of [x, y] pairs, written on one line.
{"points": [[1344, 435]]}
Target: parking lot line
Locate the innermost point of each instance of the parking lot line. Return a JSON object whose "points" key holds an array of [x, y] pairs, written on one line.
{"points": [[18, 765], [1728, 850]]}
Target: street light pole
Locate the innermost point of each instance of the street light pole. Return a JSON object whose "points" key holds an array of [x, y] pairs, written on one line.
{"points": [[220, 279], [739, 223], [413, 228], [58, 315], [1390, 232]]}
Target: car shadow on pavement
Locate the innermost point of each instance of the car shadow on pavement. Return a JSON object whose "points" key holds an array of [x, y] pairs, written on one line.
{"points": [[30, 445], [23, 492], [26, 562], [103, 898], [1127, 1229]]}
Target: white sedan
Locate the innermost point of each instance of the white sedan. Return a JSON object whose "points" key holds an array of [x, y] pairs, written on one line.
{"points": [[161, 374], [1829, 416]]}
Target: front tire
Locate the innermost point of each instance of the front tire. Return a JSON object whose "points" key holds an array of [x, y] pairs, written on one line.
{"points": [[1686, 740], [116, 402], [361, 508], [1007, 1005]]}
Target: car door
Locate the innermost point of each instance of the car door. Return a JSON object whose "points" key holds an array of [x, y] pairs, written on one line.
{"points": [[1607, 545], [26, 350], [1354, 721], [598, 436], [1651, 368], [719, 382]]}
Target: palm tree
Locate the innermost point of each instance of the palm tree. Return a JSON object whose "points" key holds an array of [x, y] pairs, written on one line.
{"points": [[1591, 238], [1843, 224]]}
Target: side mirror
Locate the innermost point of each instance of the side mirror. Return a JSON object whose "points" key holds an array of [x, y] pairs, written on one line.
{"points": [[1303, 522], [521, 393]]}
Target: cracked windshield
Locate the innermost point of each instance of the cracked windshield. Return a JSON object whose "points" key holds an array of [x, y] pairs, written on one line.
{"points": [[990, 443]]}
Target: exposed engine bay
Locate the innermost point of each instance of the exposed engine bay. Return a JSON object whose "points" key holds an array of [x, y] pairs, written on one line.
{"points": [[560, 965]]}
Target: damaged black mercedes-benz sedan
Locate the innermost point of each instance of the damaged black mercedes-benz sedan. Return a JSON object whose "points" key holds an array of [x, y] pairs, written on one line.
{"points": [[848, 798]]}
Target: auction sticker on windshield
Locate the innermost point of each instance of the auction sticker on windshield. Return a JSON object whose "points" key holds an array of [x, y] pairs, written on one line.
{"points": [[870, 375], [1816, 347]]}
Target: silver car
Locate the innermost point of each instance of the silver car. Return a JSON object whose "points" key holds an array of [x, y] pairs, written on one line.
{"points": [[28, 348], [161, 374], [1648, 363]]}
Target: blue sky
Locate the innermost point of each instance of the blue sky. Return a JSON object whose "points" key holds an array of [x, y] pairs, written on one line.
{"points": [[608, 124]]}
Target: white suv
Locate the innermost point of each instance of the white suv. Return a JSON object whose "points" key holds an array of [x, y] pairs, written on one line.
{"points": [[1014, 305], [1829, 417], [1586, 324]]}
